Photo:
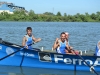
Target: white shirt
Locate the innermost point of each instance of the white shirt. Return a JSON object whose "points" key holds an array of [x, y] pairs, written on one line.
{"points": [[98, 54]]}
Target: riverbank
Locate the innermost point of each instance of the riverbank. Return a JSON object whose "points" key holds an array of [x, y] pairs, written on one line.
{"points": [[49, 17]]}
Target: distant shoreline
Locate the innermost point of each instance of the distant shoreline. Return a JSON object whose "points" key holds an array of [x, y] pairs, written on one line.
{"points": [[21, 16]]}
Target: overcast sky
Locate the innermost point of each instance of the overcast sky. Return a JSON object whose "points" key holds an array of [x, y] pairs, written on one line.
{"points": [[64, 6]]}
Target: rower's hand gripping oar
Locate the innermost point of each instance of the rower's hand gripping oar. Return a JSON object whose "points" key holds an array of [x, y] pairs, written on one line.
{"points": [[91, 67], [14, 52]]}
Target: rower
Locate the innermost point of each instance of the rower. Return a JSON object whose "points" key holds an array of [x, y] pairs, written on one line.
{"points": [[29, 38], [97, 51], [70, 47], [61, 44]]}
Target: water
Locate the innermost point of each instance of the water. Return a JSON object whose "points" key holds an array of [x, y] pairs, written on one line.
{"points": [[9, 70], [83, 36]]}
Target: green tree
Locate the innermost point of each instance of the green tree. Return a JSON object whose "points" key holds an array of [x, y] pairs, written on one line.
{"points": [[98, 16], [32, 16], [93, 16], [59, 14], [31, 13], [2, 17], [65, 14], [48, 13], [98, 13], [22, 15], [86, 14]]}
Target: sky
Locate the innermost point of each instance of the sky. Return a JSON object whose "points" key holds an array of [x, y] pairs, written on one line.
{"points": [[64, 6]]}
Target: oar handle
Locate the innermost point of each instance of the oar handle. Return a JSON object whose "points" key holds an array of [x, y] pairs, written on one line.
{"points": [[27, 45]]}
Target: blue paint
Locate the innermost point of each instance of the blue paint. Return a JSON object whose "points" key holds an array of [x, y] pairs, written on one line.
{"points": [[47, 60], [29, 41]]}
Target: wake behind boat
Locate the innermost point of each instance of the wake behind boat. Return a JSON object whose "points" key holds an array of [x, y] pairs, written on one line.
{"points": [[42, 59]]}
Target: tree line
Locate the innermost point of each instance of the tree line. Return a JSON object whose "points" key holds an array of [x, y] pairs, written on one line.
{"points": [[49, 17]]}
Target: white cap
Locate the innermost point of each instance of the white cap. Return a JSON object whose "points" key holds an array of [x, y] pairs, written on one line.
{"points": [[67, 33]]}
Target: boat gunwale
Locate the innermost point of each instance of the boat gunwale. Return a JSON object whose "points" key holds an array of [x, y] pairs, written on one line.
{"points": [[43, 51]]}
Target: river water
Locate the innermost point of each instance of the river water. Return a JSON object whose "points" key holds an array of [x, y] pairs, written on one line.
{"points": [[83, 36]]}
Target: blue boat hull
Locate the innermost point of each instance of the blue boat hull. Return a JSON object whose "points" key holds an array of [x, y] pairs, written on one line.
{"points": [[32, 58]]}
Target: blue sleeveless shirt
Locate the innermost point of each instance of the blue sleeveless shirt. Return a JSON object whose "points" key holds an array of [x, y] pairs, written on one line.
{"points": [[62, 48], [29, 41]]}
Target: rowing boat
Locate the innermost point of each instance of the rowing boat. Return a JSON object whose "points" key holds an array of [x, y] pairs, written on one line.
{"points": [[42, 59]]}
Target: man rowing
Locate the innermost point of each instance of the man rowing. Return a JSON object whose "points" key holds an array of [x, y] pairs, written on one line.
{"points": [[67, 37], [70, 47], [61, 45], [29, 38], [97, 51]]}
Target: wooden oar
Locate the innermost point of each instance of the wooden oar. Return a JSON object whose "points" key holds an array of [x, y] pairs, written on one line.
{"points": [[13, 53], [91, 67]]}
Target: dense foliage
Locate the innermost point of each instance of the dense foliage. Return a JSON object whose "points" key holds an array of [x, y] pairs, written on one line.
{"points": [[49, 17]]}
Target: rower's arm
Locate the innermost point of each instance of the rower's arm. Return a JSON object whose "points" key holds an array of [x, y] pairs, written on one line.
{"points": [[56, 44], [99, 44], [68, 52], [36, 40], [72, 52], [67, 46], [23, 41]]}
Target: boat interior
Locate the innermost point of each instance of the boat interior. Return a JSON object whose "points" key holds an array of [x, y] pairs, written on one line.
{"points": [[83, 53]]}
